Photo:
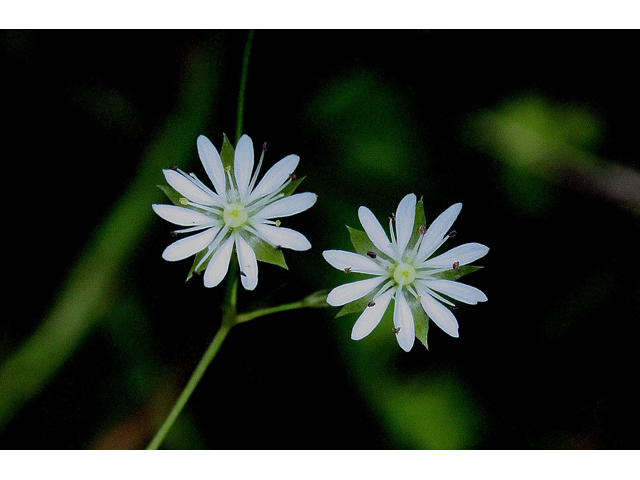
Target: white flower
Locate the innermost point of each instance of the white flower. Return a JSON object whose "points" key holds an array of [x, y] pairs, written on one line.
{"points": [[239, 215], [402, 270]]}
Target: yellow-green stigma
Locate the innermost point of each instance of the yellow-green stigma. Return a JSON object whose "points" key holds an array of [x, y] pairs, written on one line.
{"points": [[404, 274], [235, 215]]}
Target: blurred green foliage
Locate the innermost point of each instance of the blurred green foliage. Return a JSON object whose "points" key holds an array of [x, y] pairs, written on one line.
{"points": [[540, 153]]}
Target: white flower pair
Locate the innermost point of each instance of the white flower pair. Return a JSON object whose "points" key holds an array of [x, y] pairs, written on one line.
{"points": [[243, 216]]}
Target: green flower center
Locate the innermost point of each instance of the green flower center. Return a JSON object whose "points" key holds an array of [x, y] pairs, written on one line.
{"points": [[404, 274], [235, 215]]}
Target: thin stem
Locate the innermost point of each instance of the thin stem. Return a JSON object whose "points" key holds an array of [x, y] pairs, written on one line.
{"points": [[245, 317], [243, 86], [208, 356]]}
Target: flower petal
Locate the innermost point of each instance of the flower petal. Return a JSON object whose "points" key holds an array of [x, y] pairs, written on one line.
{"points": [[288, 206], [440, 314], [188, 246], [436, 232], [248, 263], [284, 237], [352, 291], [180, 215], [463, 254], [219, 264], [403, 321], [212, 164], [243, 164], [457, 291], [405, 217], [275, 177], [371, 316], [352, 262], [188, 188], [374, 231]]}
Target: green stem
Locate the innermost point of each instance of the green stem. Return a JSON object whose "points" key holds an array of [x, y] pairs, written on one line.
{"points": [[245, 317], [208, 356], [243, 86]]}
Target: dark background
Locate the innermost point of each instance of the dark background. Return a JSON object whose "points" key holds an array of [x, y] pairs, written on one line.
{"points": [[534, 131]]}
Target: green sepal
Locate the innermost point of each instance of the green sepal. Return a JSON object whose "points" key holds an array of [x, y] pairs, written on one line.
{"points": [[227, 153], [457, 273], [360, 241], [357, 306], [173, 195], [420, 220], [290, 188], [266, 252], [196, 260], [420, 320]]}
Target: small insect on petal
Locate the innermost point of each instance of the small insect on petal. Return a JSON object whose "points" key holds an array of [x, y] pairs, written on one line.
{"points": [[371, 303], [347, 270], [292, 177], [372, 254], [264, 147], [278, 248], [422, 229], [173, 167], [242, 274], [396, 330], [173, 234], [456, 265], [452, 233], [392, 216]]}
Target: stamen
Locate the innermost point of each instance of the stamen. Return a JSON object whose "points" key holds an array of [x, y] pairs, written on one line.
{"points": [[173, 167], [292, 177], [173, 234], [437, 297], [183, 201], [347, 270], [452, 233], [456, 265], [255, 175], [278, 223], [396, 330], [372, 254], [278, 248], [371, 303], [422, 229]]}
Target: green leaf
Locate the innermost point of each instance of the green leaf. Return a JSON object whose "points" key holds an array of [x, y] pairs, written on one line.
{"points": [[266, 252], [457, 273], [227, 153], [360, 241]]}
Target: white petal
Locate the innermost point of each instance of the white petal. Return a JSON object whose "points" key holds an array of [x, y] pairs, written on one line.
{"points": [[457, 291], [275, 177], [186, 187], [188, 246], [437, 230], [440, 314], [180, 215], [212, 164], [243, 164], [248, 264], [374, 231], [403, 320], [219, 264], [463, 254], [352, 291], [285, 237], [353, 262], [371, 316], [405, 218], [287, 206]]}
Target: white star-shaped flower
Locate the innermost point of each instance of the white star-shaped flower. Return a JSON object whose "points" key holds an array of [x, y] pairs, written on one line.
{"points": [[241, 215], [402, 270]]}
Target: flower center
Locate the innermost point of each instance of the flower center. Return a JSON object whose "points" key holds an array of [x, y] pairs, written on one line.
{"points": [[404, 274], [235, 215]]}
